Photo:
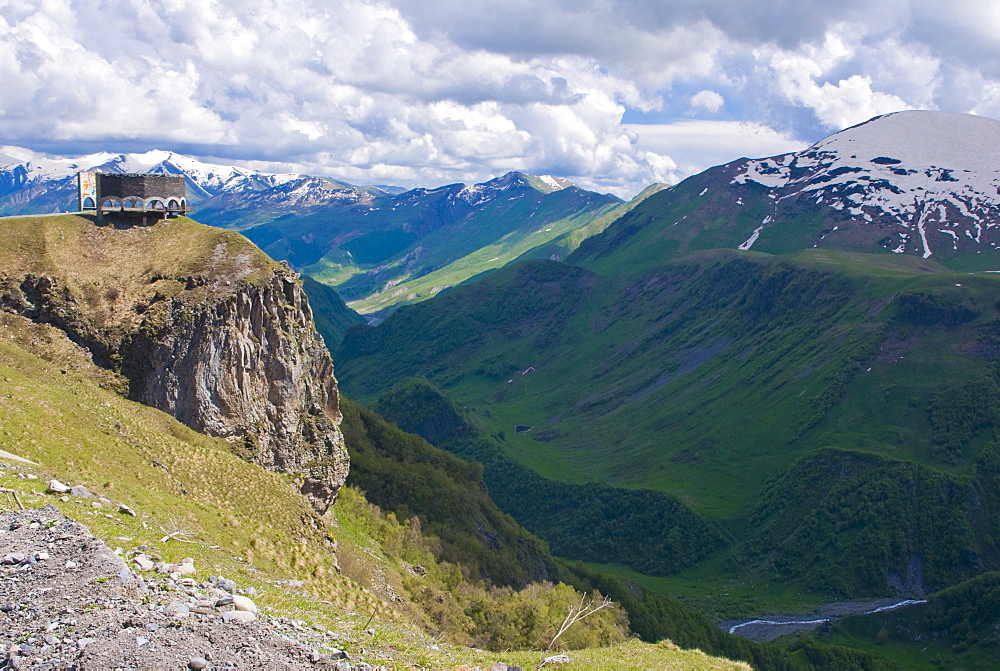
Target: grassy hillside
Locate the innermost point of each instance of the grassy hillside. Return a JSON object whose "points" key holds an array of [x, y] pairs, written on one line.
{"points": [[333, 317], [404, 248], [404, 474], [708, 376], [353, 569], [126, 258], [355, 563]]}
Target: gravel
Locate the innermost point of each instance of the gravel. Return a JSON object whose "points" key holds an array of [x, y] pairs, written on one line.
{"points": [[67, 601]]}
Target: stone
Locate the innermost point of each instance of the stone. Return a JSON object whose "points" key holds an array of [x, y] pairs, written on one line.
{"points": [[238, 617], [244, 603], [224, 601], [177, 609], [221, 381], [56, 487], [13, 558], [122, 508], [70, 564], [250, 591], [197, 663], [183, 569], [225, 584], [141, 641], [556, 659], [81, 492], [143, 563]]}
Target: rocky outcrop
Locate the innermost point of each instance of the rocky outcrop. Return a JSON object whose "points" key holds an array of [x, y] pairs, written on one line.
{"points": [[217, 335], [249, 367]]}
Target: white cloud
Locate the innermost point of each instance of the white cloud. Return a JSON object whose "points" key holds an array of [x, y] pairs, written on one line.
{"points": [[803, 78], [697, 145], [459, 90], [708, 100]]}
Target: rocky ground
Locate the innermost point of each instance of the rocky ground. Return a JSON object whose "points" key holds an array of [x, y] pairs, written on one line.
{"points": [[67, 601]]}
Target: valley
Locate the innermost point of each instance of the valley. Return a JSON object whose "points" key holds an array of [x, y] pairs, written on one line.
{"points": [[825, 406], [768, 393]]}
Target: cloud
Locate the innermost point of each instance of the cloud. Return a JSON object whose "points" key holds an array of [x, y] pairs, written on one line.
{"points": [[460, 90], [685, 142], [710, 101]]}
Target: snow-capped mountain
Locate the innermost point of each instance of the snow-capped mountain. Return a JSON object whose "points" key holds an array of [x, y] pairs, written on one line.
{"points": [[473, 195], [35, 184], [224, 195], [921, 182]]}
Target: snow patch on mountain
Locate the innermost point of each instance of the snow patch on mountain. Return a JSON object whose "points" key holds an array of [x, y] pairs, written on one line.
{"points": [[474, 195], [556, 183], [923, 171]]}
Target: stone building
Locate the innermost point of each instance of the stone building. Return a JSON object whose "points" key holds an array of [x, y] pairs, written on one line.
{"points": [[132, 195]]}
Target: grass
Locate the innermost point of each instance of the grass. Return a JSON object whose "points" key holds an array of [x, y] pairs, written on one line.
{"points": [[704, 378], [179, 480], [190, 491], [92, 253]]}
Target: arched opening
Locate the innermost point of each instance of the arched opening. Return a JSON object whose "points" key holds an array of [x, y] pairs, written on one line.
{"points": [[89, 203], [133, 203], [111, 203], [155, 204], [173, 205]]}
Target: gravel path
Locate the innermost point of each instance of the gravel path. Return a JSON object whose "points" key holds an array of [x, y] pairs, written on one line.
{"points": [[67, 601]]}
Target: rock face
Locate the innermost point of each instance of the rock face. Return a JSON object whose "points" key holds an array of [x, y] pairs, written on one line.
{"points": [[249, 367], [198, 323]]}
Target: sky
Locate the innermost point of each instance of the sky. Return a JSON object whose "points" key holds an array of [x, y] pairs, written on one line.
{"points": [[611, 94]]}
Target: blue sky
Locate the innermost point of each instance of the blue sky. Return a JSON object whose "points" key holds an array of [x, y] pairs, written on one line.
{"points": [[612, 94]]}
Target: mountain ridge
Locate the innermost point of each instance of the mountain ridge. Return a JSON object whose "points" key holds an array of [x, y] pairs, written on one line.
{"points": [[864, 189]]}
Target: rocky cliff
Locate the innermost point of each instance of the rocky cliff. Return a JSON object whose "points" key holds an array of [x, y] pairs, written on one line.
{"points": [[198, 323]]}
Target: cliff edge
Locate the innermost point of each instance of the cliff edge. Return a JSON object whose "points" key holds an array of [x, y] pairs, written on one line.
{"points": [[195, 321]]}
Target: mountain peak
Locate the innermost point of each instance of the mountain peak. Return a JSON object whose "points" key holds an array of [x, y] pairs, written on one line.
{"points": [[932, 178], [921, 137], [477, 194]]}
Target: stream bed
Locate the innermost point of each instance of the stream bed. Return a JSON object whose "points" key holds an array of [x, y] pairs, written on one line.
{"points": [[770, 627]]}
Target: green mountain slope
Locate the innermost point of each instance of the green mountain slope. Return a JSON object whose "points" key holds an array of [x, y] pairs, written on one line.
{"points": [[401, 248], [354, 567], [706, 377], [403, 474], [333, 317]]}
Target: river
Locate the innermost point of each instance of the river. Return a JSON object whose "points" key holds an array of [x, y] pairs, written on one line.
{"points": [[770, 627]]}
